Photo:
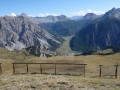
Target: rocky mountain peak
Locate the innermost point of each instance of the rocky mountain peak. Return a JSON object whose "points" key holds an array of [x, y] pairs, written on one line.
{"points": [[63, 17], [57, 18], [113, 13], [90, 16], [24, 15]]}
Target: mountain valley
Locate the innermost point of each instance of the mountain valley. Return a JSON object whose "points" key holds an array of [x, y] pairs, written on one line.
{"points": [[43, 36]]}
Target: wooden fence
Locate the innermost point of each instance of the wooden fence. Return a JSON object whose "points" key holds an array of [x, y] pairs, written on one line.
{"points": [[113, 70], [50, 68], [62, 69]]}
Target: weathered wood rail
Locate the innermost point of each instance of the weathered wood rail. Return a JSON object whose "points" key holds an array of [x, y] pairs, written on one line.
{"points": [[55, 66]]}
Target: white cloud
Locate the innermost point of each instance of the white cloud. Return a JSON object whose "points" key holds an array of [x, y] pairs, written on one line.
{"points": [[46, 14], [83, 12], [13, 14]]}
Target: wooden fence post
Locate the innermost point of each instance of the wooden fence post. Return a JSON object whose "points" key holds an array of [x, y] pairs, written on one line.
{"points": [[0, 69], [84, 70], [100, 74], [41, 68], [13, 68], [116, 70], [27, 67], [55, 68]]}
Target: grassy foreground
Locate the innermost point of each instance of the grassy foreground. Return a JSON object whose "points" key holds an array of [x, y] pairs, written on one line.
{"points": [[61, 82], [58, 82]]}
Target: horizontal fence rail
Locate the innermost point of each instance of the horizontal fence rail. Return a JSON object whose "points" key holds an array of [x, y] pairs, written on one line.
{"points": [[51, 68], [51, 63]]}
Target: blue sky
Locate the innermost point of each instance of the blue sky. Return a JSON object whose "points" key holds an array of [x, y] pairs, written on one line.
{"points": [[56, 7]]}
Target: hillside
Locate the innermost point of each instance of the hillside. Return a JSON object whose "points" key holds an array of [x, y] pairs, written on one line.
{"points": [[20, 55], [66, 28], [20, 32], [99, 34], [61, 82]]}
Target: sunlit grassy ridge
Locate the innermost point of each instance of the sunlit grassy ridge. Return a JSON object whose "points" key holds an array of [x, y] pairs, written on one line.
{"points": [[14, 55], [58, 82], [92, 61]]}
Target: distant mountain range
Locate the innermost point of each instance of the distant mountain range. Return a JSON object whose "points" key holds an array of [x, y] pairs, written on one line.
{"points": [[69, 26], [45, 34], [50, 19]]}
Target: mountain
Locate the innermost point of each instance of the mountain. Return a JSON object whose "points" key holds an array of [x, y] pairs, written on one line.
{"points": [[113, 13], [49, 19], [69, 27], [65, 28], [24, 15], [20, 32], [76, 17], [99, 34], [90, 16]]}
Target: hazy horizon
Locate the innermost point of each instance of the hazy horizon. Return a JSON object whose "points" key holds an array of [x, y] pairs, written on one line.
{"points": [[60, 7]]}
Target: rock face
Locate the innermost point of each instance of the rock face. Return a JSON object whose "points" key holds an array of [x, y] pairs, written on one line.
{"points": [[20, 32], [99, 34]]}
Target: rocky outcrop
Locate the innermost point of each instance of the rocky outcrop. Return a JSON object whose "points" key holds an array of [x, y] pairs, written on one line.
{"points": [[37, 51]]}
